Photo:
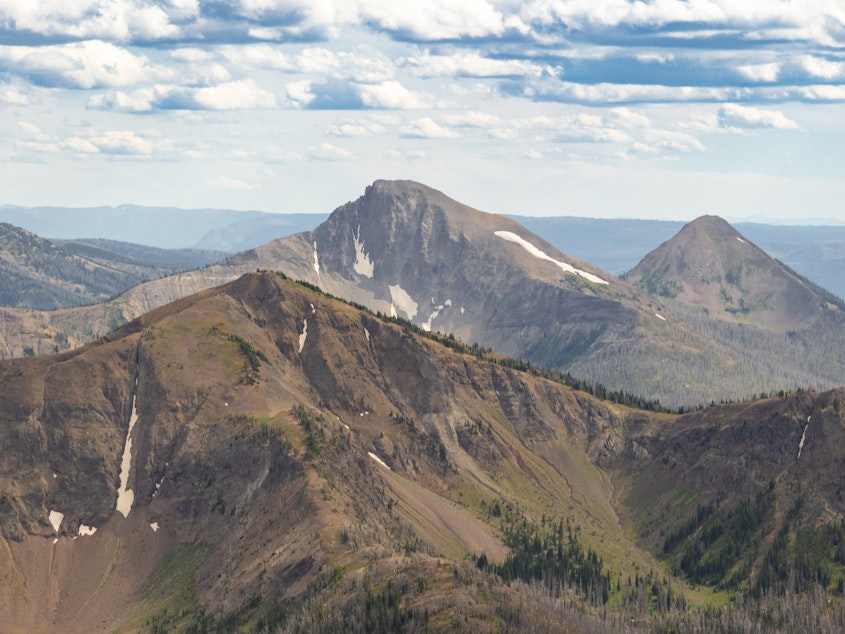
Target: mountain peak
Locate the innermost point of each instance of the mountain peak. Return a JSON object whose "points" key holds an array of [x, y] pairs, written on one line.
{"points": [[709, 265]]}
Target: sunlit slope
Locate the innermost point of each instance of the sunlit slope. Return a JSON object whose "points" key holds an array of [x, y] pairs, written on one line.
{"points": [[285, 443]]}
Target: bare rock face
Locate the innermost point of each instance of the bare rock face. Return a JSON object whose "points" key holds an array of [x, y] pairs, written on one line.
{"points": [[408, 250]]}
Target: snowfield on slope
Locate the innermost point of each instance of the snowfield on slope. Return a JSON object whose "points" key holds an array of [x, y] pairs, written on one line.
{"points": [[537, 253]]}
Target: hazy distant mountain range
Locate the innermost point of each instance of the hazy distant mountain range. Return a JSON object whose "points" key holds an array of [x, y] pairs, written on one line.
{"points": [[37, 273], [615, 246], [163, 227]]}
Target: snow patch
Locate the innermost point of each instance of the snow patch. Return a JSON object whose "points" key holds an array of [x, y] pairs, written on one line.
{"points": [[402, 301], [537, 253], [125, 496], [462, 310], [313, 310], [56, 520], [427, 325], [659, 316], [55, 476], [316, 259], [154, 526], [363, 265], [367, 333], [437, 309], [740, 239], [378, 460], [303, 335], [803, 438], [84, 531]]}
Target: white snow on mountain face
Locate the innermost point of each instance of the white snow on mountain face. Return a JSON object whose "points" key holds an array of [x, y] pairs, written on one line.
{"points": [[125, 496], [56, 519], [537, 253], [740, 239], [803, 438], [401, 300], [378, 460], [85, 531], [154, 526], [427, 324], [660, 317], [304, 334], [363, 265], [316, 260]]}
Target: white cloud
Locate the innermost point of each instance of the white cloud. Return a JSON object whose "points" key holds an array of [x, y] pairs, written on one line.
{"points": [[760, 72], [666, 143], [300, 93], [389, 94], [732, 115], [142, 100], [32, 131], [655, 57], [426, 128], [435, 19], [234, 95], [608, 93], [796, 20], [822, 68], [356, 128], [125, 142], [225, 182], [243, 94], [329, 152], [89, 64], [628, 118], [122, 142], [591, 134], [317, 60], [820, 93], [474, 119], [471, 64], [83, 146], [13, 97], [192, 54], [121, 20], [253, 56]]}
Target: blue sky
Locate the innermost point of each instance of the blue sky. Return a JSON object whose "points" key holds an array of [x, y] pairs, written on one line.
{"points": [[605, 108]]}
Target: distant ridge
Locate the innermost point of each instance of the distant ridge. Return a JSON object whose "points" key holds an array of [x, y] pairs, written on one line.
{"points": [[407, 249]]}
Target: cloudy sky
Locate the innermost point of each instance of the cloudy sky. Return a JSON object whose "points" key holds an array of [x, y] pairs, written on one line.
{"points": [[606, 108]]}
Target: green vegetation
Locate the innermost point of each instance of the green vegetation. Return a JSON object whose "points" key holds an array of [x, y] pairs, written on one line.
{"points": [[719, 547], [171, 593], [252, 359], [315, 436], [550, 553]]}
